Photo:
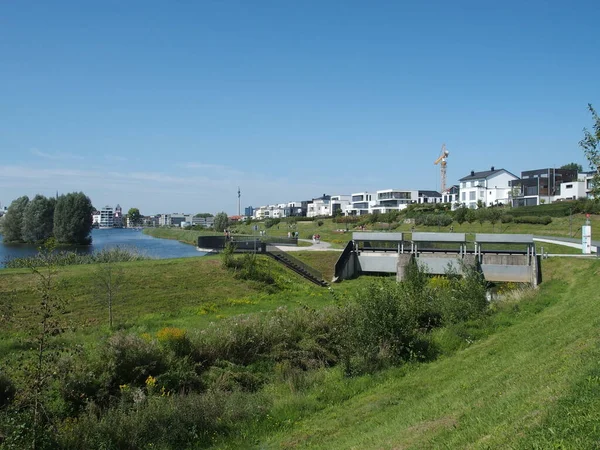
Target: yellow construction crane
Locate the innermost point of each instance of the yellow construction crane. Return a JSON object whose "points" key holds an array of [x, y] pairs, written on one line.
{"points": [[442, 161]]}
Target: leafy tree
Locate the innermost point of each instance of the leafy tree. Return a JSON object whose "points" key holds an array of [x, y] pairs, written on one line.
{"points": [[494, 215], [73, 219], [591, 148], [221, 221], [482, 215], [204, 215], [135, 218], [12, 223], [460, 215], [38, 219], [573, 166], [471, 216]]}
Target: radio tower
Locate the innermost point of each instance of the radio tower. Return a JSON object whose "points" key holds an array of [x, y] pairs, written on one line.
{"points": [[239, 202]]}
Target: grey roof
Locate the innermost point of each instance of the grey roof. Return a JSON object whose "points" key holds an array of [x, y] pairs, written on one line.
{"points": [[485, 174], [430, 193]]}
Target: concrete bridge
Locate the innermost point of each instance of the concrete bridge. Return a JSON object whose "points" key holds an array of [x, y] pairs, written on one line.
{"points": [[500, 257]]}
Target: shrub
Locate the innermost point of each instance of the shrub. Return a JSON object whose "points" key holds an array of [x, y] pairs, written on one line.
{"points": [[440, 220], [506, 218], [175, 421], [129, 359], [544, 220], [7, 390], [175, 339], [270, 222]]}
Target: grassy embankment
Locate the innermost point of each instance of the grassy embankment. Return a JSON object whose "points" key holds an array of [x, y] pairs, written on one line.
{"points": [[525, 377], [534, 382], [335, 232], [186, 293]]}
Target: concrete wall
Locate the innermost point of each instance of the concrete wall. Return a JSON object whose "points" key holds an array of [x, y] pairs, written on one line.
{"points": [[378, 262]]}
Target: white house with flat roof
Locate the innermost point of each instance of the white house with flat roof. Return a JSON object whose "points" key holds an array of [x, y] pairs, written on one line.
{"points": [[491, 187], [361, 203]]}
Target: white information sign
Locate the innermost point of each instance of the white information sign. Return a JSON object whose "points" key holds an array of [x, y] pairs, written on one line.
{"points": [[586, 239]]}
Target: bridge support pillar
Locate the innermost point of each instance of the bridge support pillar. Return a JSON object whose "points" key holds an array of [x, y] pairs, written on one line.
{"points": [[404, 260]]}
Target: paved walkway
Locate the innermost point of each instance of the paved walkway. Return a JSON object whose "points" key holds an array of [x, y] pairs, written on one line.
{"points": [[320, 247], [567, 242]]}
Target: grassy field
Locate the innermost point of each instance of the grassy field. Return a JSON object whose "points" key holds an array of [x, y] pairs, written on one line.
{"points": [[526, 376], [534, 382], [187, 293]]}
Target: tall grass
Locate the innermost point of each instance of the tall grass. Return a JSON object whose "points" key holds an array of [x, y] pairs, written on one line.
{"points": [[68, 258]]}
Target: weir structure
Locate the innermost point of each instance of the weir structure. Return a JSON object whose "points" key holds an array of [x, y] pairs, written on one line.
{"points": [[500, 257]]}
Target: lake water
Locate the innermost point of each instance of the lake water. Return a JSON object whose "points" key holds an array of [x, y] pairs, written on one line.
{"points": [[122, 237]]}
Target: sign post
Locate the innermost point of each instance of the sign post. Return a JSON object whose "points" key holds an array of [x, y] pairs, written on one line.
{"points": [[586, 237]]}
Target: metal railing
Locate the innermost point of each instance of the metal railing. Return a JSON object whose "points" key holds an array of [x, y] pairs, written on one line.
{"points": [[291, 261]]}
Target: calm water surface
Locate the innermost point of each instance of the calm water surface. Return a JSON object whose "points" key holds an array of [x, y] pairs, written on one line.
{"points": [[122, 237]]}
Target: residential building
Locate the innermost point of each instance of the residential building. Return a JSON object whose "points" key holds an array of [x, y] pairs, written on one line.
{"points": [[164, 220], [293, 209], [206, 222], [490, 187], [542, 186], [392, 200], [319, 207], [572, 190], [339, 203], [451, 195], [107, 217], [360, 203], [118, 217], [96, 218], [429, 197]]}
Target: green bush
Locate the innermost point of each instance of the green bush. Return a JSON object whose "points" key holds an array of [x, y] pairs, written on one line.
{"points": [[166, 422], [271, 222], [440, 220], [130, 359], [506, 218], [7, 390], [537, 220]]}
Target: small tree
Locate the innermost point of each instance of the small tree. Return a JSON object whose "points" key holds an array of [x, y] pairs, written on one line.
{"points": [[494, 215], [46, 322], [460, 215], [135, 218], [471, 216], [482, 215], [591, 148], [108, 278], [12, 222], [221, 221]]}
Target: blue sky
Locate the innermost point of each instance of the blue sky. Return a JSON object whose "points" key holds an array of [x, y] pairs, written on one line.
{"points": [[169, 106]]}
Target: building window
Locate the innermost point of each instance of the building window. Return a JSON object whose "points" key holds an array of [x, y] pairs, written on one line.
{"points": [[569, 186], [472, 195], [463, 196], [481, 194]]}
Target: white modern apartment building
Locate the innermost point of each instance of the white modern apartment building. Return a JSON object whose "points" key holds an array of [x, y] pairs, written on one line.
{"points": [[319, 207], [339, 203], [107, 217], [361, 203], [490, 187]]}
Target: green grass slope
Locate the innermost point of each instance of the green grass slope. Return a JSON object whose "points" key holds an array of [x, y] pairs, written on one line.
{"points": [[534, 383]]}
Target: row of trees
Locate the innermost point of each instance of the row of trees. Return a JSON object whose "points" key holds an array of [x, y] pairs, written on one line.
{"points": [[67, 218]]}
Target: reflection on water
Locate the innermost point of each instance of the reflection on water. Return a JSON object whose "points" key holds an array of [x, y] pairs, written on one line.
{"points": [[122, 237]]}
